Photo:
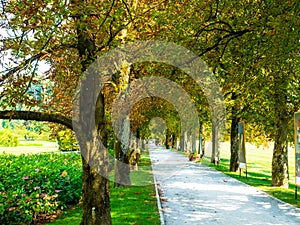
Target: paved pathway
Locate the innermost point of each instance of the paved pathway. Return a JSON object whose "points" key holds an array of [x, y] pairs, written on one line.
{"points": [[196, 194]]}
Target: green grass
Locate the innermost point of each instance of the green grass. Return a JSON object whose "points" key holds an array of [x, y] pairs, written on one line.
{"points": [[31, 144], [31, 147], [129, 205], [259, 163], [70, 217]]}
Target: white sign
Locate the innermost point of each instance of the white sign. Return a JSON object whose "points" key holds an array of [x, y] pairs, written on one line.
{"points": [[243, 165]]}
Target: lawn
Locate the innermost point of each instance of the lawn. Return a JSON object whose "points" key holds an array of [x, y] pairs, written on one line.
{"points": [[136, 204], [31, 147], [259, 161]]}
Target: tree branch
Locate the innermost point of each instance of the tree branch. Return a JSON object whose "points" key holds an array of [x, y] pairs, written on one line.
{"points": [[37, 116], [230, 36], [31, 59], [21, 66]]}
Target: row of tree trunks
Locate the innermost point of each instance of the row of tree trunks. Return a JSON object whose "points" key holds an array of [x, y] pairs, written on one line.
{"points": [[187, 143]]}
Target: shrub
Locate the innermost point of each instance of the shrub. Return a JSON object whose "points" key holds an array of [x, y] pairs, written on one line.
{"points": [[8, 138], [66, 141], [33, 185]]}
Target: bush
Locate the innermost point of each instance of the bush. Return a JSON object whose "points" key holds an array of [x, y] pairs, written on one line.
{"points": [[35, 185], [66, 141], [8, 138]]}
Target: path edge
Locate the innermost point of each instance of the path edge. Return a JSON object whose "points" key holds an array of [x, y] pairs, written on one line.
{"points": [[161, 216], [279, 201]]}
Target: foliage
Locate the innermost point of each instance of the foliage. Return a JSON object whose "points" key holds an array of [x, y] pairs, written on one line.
{"points": [[248, 44], [28, 130], [31, 185], [8, 138], [66, 141]]}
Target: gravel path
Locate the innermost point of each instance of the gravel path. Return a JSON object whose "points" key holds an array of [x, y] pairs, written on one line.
{"points": [[195, 194]]}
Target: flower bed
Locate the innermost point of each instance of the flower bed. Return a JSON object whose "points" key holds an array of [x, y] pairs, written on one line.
{"points": [[35, 185]]}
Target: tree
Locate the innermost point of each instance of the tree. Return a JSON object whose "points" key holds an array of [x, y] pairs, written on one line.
{"points": [[48, 31], [68, 36], [238, 39], [249, 39]]}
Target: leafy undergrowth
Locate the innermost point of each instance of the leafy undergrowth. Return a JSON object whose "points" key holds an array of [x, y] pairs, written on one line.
{"points": [[134, 205], [34, 187]]}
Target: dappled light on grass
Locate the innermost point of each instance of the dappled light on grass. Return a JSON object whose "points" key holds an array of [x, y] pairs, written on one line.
{"points": [[134, 205]]}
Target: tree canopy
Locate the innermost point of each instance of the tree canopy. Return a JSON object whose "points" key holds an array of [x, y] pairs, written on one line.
{"points": [[251, 46]]}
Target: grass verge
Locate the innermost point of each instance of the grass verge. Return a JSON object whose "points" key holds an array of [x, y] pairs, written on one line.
{"points": [[134, 205]]}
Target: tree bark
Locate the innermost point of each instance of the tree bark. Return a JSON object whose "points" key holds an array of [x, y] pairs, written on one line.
{"points": [[194, 147], [234, 136], [181, 143], [234, 145], [173, 140], [37, 116], [95, 197], [167, 140], [95, 192], [122, 168], [280, 157], [185, 142], [203, 147], [215, 145], [202, 132], [123, 147], [93, 145]]}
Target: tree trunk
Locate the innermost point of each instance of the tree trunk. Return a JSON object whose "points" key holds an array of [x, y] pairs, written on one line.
{"points": [[189, 143], [215, 145], [123, 147], [143, 145], [173, 140], [122, 168], [194, 145], [203, 147], [234, 136], [280, 158], [234, 145], [185, 142], [181, 143], [95, 198], [167, 140], [92, 139], [95, 193], [202, 144]]}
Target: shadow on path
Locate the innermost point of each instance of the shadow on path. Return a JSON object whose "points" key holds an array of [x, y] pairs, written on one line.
{"points": [[197, 194]]}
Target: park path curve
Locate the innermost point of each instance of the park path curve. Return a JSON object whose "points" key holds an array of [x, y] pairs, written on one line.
{"points": [[196, 194]]}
